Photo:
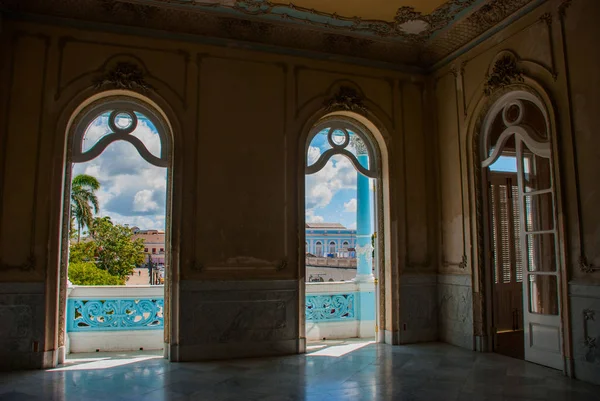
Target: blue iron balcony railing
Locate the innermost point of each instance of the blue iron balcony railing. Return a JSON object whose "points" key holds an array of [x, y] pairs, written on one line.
{"points": [[84, 315], [330, 308], [95, 309]]}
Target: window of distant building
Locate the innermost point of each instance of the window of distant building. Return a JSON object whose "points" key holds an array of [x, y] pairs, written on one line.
{"points": [[346, 244], [153, 250], [319, 248], [146, 250], [162, 249], [332, 247]]}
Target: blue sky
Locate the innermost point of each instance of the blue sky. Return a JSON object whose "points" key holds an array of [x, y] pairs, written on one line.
{"points": [[505, 163], [132, 190]]}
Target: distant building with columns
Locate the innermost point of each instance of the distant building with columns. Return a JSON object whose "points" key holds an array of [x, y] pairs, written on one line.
{"points": [[330, 240], [154, 244]]}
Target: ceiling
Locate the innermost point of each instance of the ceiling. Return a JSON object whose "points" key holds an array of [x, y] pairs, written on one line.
{"points": [[408, 32], [392, 19], [369, 9]]}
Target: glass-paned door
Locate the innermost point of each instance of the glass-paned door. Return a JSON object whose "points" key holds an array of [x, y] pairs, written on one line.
{"points": [[539, 252]]}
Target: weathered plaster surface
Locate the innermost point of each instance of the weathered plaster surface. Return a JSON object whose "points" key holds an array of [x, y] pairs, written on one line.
{"points": [[257, 315], [418, 309], [455, 309], [585, 320], [22, 317]]}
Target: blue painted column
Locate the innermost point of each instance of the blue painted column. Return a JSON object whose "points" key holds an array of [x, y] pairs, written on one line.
{"points": [[364, 230]]}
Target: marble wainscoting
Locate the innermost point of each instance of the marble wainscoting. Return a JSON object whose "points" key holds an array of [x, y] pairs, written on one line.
{"points": [[22, 316], [418, 309], [455, 309], [236, 319], [585, 329]]}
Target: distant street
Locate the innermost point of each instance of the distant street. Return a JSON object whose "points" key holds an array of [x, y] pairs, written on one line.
{"points": [[139, 277]]}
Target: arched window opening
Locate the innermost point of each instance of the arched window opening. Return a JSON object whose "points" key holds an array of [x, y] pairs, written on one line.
{"points": [[332, 249], [118, 158], [341, 165], [516, 154], [319, 249]]}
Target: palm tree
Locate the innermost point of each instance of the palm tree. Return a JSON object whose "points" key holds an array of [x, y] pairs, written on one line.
{"points": [[83, 199]]}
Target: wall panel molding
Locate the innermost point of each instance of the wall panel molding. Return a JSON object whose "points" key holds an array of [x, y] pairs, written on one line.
{"points": [[463, 262], [30, 263], [229, 265], [583, 262]]}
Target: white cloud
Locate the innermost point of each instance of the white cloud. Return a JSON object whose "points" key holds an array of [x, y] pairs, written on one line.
{"points": [[143, 222], [143, 202], [321, 187], [350, 206], [312, 218], [352, 226]]}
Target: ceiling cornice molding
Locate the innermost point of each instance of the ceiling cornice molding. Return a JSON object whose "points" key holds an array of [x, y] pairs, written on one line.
{"points": [[467, 20], [274, 11]]}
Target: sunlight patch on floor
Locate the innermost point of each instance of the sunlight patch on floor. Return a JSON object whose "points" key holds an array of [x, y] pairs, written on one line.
{"points": [[336, 349], [104, 360]]}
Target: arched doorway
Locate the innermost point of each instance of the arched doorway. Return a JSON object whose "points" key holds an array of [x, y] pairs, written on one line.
{"points": [[347, 307], [110, 120], [522, 255]]}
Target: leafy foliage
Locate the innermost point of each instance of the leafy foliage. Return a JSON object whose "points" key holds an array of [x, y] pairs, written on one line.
{"points": [[83, 252], [86, 273], [115, 251], [83, 199]]}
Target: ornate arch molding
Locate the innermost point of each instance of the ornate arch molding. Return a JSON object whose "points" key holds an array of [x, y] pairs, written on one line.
{"points": [[77, 114], [488, 106], [346, 104], [120, 107]]}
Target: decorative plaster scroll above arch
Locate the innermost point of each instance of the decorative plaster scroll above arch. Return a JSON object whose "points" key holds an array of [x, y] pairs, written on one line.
{"points": [[123, 75], [503, 71], [119, 106], [353, 136], [347, 99]]}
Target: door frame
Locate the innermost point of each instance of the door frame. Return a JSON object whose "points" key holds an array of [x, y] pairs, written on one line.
{"points": [[377, 127], [483, 279], [57, 282]]}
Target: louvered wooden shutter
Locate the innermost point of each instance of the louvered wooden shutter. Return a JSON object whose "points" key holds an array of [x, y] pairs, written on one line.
{"points": [[505, 231]]}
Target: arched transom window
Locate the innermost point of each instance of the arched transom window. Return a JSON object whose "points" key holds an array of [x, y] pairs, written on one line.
{"points": [[336, 136], [120, 119]]}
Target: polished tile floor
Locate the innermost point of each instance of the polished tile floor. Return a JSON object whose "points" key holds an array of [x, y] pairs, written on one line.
{"points": [[352, 370]]}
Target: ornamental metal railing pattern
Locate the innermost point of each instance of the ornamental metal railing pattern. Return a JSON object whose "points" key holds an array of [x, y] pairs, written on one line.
{"points": [[330, 308], [85, 315], [114, 314]]}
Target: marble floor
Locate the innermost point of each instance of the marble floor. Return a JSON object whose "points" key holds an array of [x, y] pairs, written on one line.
{"points": [[342, 370]]}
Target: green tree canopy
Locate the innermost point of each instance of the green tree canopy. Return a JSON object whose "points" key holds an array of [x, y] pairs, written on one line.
{"points": [[83, 252], [83, 200], [115, 251], [86, 273]]}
